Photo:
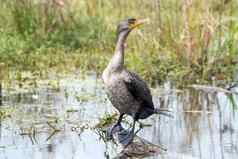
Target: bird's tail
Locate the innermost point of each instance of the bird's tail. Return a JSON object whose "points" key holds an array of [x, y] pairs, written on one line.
{"points": [[164, 112]]}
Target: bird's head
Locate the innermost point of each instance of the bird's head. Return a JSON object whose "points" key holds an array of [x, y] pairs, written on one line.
{"points": [[129, 24]]}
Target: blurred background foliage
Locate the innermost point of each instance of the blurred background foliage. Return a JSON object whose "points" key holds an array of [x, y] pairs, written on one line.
{"points": [[190, 41]]}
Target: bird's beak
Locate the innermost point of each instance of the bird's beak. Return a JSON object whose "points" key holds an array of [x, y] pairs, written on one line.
{"points": [[139, 22]]}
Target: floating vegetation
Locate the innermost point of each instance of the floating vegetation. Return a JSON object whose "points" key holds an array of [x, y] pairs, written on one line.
{"points": [[72, 110], [84, 97], [79, 129], [106, 120], [5, 112]]}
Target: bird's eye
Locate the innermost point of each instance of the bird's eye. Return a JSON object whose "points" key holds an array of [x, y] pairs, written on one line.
{"points": [[131, 20]]}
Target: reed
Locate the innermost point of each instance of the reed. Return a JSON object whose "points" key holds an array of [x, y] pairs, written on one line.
{"points": [[190, 39]]}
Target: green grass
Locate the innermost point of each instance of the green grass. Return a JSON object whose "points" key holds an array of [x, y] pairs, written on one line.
{"points": [[186, 41]]}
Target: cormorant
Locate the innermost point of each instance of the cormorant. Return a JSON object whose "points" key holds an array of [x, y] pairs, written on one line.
{"points": [[128, 93]]}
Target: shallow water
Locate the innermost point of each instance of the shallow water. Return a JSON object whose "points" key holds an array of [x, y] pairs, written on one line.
{"points": [[56, 120]]}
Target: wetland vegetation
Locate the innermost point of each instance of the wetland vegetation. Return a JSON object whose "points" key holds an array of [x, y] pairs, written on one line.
{"points": [[192, 40], [52, 101]]}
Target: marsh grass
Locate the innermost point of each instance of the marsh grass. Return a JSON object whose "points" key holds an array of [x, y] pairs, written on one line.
{"points": [[191, 41]]}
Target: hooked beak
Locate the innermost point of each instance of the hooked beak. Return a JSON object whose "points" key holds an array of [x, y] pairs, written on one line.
{"points": [[139, 22]]}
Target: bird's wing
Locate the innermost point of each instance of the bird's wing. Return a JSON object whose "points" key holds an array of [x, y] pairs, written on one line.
{"points": [[139, 89]]}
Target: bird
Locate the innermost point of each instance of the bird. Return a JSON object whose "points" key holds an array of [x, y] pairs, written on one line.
{"points": [[128, 93]]}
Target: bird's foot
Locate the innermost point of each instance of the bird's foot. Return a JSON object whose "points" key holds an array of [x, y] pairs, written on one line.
{"points": [[112, 130], [125, 137]]}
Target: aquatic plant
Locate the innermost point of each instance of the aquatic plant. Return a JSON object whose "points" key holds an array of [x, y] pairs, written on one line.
{"points": [[5, 112], [106, 120]]}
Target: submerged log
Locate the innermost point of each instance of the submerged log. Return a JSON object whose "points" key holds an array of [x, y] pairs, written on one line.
{"points": [[211, 89], [139, 148]]}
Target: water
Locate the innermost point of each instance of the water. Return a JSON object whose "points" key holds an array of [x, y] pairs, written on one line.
{"points": [[56, 120]]}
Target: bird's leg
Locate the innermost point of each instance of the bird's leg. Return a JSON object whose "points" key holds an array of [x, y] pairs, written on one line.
{"points": [[140, 127], [127, 136], [116, 127]]}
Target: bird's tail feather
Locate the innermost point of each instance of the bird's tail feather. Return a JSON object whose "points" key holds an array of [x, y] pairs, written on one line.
{"points": [[164, 112]]}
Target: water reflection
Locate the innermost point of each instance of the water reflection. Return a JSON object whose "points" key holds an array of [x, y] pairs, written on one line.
{"points": [[58, 121]]}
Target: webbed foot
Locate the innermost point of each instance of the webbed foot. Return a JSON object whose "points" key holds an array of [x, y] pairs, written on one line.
{"points": [[125, 137], [112, 130]]}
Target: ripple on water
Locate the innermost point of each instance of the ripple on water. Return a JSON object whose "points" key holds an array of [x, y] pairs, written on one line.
{"points": [[56, 120]]}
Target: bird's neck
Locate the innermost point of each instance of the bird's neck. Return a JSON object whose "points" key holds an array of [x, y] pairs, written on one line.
{"points": [[117, 61]]}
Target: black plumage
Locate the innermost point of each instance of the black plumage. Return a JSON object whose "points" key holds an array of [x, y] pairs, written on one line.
{"points": [[128, 93], [141, 93]]}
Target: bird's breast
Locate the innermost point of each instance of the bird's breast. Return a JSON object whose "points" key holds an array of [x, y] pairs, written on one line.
{"points": [[105, 76], [120, 97], [110, 77]]}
